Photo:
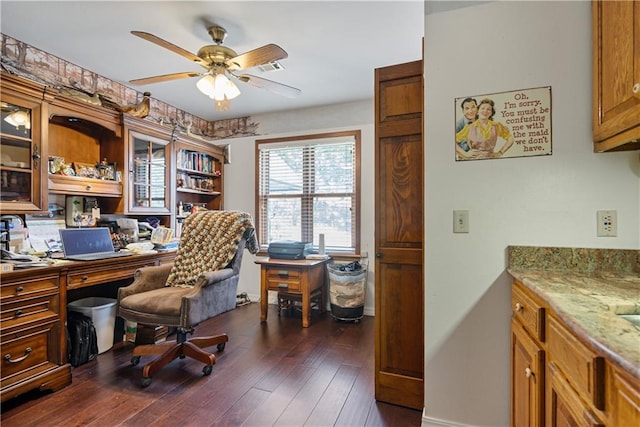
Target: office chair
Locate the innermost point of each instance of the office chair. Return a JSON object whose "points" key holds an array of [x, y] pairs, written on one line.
{"points": [[201, 284]]}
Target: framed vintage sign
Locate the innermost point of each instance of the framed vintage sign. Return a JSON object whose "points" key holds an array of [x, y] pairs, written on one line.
{"points": [[505, 124]]}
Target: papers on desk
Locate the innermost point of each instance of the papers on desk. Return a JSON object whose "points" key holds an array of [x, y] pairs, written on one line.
{"points": [[43, 233]]}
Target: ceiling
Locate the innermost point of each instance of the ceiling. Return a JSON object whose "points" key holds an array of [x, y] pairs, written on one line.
{"points": [[333, 46]]}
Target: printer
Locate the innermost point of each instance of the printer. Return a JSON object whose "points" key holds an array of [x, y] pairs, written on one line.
{"points": [[289, 249]]}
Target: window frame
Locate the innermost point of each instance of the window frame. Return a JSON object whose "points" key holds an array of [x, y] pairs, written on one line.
{"points": [[356, 135]]}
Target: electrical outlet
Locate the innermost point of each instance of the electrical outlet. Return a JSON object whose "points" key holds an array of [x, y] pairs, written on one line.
{"points": [[460, 221], [607, 223]]}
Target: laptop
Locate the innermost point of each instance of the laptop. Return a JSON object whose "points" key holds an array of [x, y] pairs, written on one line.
{"points": [[88, 244]]}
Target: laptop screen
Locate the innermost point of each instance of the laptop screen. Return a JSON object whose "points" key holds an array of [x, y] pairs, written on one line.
{"points": [[77, 241]]}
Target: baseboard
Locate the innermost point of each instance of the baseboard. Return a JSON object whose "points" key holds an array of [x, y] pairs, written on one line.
{"points": [[436, 422]]}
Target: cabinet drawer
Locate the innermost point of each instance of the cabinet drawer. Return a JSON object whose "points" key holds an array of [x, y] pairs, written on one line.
{"points": [[78, 185], [529, 312], [583, 369], [24, 352], [29, 287], [105, 273], [282, 279], [23, 312]]}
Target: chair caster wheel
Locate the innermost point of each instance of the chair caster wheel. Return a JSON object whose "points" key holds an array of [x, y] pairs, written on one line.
{"points": [[207, 370], [221, 346], [135, 360], [145, 382]]}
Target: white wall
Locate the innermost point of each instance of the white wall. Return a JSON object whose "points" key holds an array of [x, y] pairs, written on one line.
{"points": [[544, 201], [239, 179]]}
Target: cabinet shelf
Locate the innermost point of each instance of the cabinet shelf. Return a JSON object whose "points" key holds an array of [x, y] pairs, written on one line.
{"points": [[15, 169], [196, 172], [196, 191]]}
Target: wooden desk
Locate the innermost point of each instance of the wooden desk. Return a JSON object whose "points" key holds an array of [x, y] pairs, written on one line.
{"points": [[33, 304], [299, 277]]}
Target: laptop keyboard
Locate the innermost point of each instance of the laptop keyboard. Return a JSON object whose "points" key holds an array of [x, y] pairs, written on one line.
{"points": [[98, 255]]}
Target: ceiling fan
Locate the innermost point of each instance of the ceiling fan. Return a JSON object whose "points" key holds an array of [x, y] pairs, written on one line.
{"points": [[221, 62]]}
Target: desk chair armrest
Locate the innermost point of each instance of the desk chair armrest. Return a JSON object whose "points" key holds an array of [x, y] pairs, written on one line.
{"points": [[211, 277], [146, 279]]}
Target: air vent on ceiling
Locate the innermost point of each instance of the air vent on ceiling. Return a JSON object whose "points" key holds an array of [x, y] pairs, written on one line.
{"points": [[271, 66]]}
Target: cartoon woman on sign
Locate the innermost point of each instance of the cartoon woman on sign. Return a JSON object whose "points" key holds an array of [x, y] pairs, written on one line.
{"points": [[482, 135]]}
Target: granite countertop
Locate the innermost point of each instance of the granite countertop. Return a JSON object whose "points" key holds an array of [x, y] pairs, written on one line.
{"points": [[587, 289]]}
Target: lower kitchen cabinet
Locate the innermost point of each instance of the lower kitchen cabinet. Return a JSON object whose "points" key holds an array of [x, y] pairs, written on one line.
{"points": [[527, 374], [558, 379]]}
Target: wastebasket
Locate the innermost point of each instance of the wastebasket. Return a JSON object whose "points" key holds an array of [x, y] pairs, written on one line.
{"points": [[102, 312], [347, 284]]}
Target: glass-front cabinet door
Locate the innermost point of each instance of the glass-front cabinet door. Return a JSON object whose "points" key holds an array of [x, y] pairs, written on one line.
{"points": [[149, 174], [20, 156]]}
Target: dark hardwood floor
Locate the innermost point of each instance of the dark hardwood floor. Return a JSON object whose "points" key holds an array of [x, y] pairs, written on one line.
{"points": [[271, 374]]}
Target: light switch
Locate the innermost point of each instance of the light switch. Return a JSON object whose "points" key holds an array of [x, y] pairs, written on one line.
{"points": [[460, 221]]}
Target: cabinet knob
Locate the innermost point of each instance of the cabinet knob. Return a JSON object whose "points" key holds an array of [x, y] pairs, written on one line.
{"points": [[528, 373], [518, 307], [378, 254], [84, 278], [636, 89], [19, 289], [88, 187]]}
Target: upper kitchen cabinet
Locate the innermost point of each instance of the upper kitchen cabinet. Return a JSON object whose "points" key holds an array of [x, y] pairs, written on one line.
{"points": [[616, 75], [147, 165], [81, 138], [21, 150]]}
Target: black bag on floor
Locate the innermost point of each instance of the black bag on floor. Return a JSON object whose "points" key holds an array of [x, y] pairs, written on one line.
{"points": [[82, 341]]}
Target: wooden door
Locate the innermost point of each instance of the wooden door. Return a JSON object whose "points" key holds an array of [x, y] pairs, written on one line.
{"points": [[399, 344], [527, 379], [616, 75]]}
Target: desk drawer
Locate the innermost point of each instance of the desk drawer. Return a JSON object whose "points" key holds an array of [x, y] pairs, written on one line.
{"points": [[103, 274], [18, 313], [282, 279], [29, 287], [27, 350]]}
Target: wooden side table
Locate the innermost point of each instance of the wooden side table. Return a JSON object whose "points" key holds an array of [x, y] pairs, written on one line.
{"points": [[298, 277]]}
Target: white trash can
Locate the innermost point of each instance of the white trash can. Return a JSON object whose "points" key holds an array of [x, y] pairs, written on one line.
{"points": [[102, 312]]}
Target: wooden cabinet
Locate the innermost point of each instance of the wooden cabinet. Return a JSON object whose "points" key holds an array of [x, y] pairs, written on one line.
{"points": [[148, 165], [22, 159], [81, 135], [199, 177], [616, 75], [527, 359], [565, 408], [399, 234], [558, 379], [31, 334], [625, 398]]}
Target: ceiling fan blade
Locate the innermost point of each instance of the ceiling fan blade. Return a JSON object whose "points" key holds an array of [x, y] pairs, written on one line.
{"points": [[275, 87], [262, 55], [170, 46], [164, 78]]}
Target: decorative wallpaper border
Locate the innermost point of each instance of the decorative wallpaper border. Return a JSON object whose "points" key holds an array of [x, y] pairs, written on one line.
{"points": [[27, 61]]}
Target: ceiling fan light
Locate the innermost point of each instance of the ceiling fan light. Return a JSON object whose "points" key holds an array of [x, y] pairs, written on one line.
{"points": [[232, 90], [206, 85]]}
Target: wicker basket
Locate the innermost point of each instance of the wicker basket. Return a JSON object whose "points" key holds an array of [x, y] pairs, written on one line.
{"points": [[347, 292]]}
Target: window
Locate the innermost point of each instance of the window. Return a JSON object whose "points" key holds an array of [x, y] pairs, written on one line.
{"points": [[307, 186]]}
